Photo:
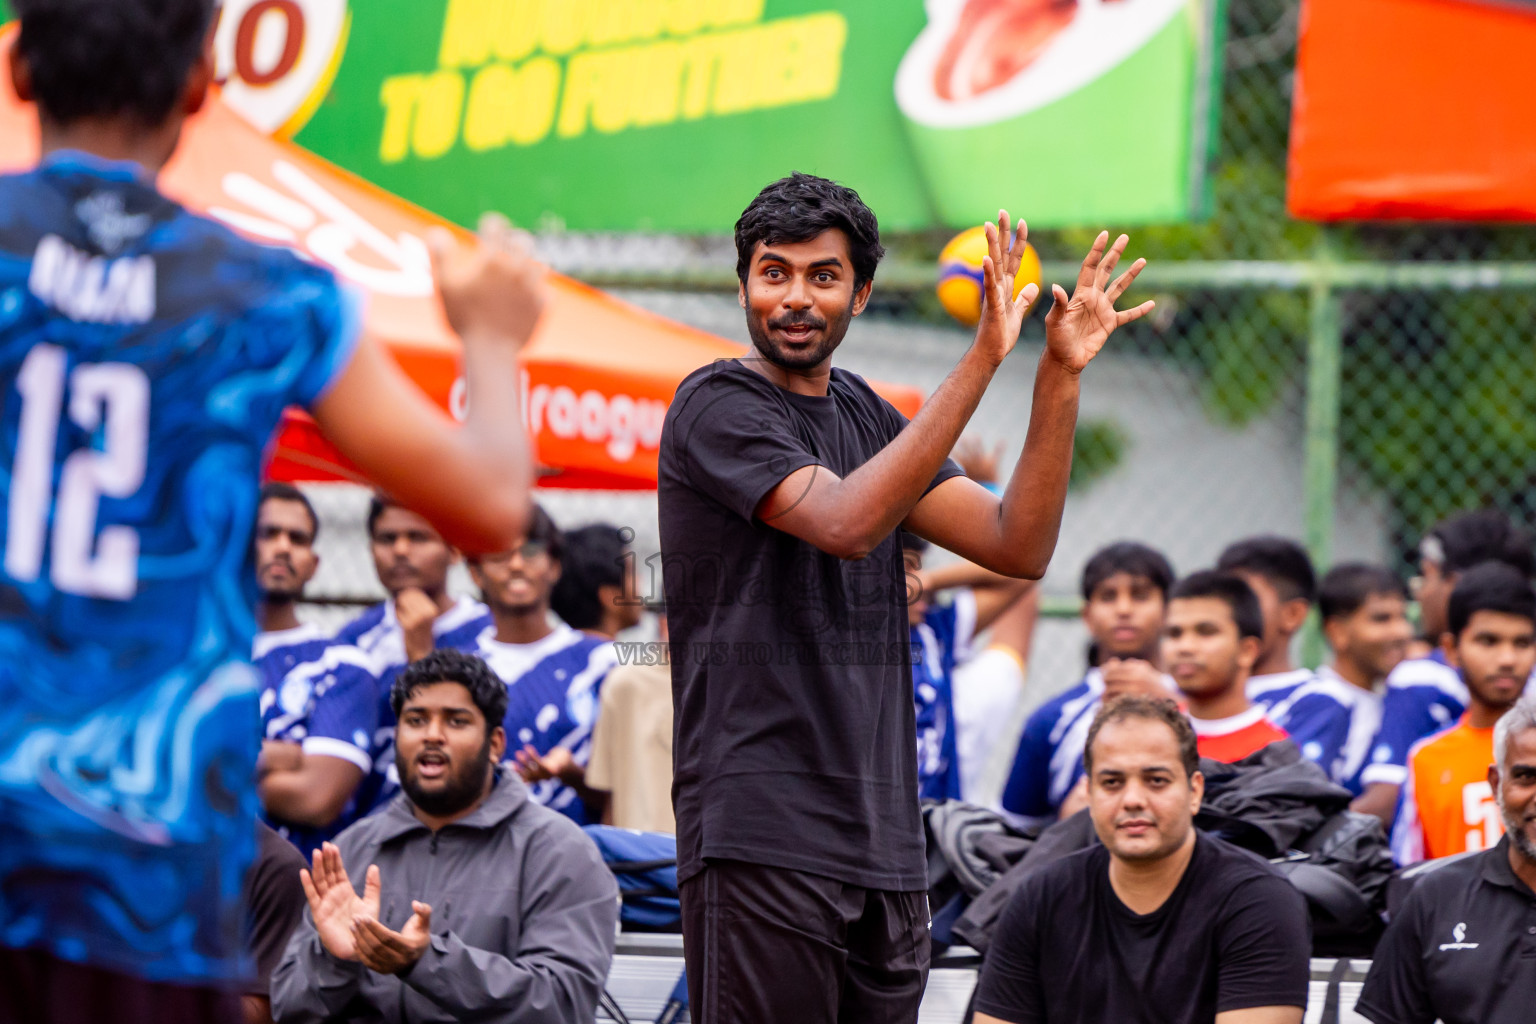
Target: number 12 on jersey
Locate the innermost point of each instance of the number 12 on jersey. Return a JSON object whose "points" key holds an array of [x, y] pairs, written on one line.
{"points": [[112, 398]]}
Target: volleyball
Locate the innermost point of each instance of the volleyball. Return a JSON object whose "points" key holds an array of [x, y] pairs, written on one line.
{"points": [[959, 287]]}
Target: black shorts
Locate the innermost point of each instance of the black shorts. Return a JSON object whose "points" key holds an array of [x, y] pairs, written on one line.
{"points": [[37, 988], [768, 945]]}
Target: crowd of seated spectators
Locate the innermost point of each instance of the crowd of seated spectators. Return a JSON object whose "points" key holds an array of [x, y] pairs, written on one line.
{"points": [[567, 733]]}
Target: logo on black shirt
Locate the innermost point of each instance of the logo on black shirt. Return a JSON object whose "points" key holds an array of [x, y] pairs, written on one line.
{"points": [[1459, 933]]}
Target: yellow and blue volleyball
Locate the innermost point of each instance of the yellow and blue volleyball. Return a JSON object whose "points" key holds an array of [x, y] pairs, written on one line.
{"points": [[960, 276]]}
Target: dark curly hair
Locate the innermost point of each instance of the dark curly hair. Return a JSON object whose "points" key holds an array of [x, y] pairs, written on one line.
{"points": [[802, 206], [111, 58], [449, 666]]}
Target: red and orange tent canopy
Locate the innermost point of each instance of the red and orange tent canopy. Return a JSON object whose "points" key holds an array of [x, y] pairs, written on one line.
{"points": [[597, 376]]}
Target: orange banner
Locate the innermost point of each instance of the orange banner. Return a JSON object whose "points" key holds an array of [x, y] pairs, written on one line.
{"points": [[1414, 110]]}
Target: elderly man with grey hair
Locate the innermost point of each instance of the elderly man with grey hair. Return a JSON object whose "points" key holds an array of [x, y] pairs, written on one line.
{"points": [[1463, 947]]}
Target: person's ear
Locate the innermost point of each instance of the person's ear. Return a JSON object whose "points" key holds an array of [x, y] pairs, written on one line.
{"points": [[1293, 614], [1448, 648], [1493, 784], [498, 744], [21, 74], [1248, 650], [204, 71], [741, 294], [475, 574], [861, 297], [609, 595], [1334, 633], [1196, 792]]}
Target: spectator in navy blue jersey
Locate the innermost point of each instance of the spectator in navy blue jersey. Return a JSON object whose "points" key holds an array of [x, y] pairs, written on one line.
{"points": [[554, 674], [1280, 574], [1125, 597]]}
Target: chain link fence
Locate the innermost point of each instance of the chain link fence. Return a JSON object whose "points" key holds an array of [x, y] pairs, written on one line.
{"points": [[1346, 385]]}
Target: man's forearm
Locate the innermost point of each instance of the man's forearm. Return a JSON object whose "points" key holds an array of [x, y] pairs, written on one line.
{"points": [[1029, 515], [884, 489]]}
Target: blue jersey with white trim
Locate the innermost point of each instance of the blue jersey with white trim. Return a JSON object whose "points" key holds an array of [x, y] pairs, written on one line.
{"points": [[1333, 722], [937, 646], [276, 653], [553, 687], [1424, 696], [146, 356], [1050, 757], [377, 633], [328, 705], [1274, 687]]}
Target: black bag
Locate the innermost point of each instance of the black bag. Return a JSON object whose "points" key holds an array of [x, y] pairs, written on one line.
{"points": [[969, 848]]}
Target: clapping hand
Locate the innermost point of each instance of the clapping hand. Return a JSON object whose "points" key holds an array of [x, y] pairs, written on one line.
{"points": [[1077, 327], [559, 763], [334, 904], [390, 952]]}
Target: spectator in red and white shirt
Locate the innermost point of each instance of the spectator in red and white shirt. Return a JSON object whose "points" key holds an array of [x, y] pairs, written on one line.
{"points": [[1212, 636]]}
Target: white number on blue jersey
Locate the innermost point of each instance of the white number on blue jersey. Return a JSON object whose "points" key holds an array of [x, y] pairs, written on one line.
{"points": [[112, 398]]}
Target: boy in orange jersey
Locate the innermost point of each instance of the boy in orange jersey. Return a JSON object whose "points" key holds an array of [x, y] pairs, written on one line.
{"points": [[1448, 805]]}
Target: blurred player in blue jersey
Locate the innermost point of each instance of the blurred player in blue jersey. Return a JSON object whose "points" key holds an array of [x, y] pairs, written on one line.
{"points": [[412, 559], [554, 674], [1334, 716], [146, 355], [286, 528], [318, 705], [941, 640], [1125, 598], [1281, 576], [1425, 694]]}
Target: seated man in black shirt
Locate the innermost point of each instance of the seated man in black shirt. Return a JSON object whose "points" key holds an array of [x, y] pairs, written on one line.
{"points": [[1462, 949], [1160, 924]]}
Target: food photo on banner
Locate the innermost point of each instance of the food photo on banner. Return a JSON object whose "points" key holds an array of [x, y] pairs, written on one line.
{"points": [[656, 115]]}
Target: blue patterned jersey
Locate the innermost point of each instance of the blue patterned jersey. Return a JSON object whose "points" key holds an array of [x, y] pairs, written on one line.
{"points": [[146, 355], [1049, 760], [552, 689], [329, 705], [938, 645], [1332, 721], [1424, 696], [377, 634], [276, 653]]}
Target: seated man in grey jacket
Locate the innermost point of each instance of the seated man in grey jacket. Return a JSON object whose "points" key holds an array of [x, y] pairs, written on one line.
{"points": [[477, 904]]}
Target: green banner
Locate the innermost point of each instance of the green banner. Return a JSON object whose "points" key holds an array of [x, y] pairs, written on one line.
{"points": [[669, 115]]}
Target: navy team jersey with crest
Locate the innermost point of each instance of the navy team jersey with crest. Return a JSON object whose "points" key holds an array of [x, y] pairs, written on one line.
{"points": [[146, 355], [328, 704], [377, 633], [553, 686]]}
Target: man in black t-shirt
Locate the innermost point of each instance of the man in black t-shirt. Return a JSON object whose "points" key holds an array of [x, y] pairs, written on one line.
{"points": [[782, 483], [1463, 947], [1159, 924]]}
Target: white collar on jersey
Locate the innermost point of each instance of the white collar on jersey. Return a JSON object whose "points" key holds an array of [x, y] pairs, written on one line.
{"points": [[1225, 726]]}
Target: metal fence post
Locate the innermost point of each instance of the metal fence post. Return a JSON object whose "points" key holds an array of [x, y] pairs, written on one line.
{"points": [[1325, 344]]}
